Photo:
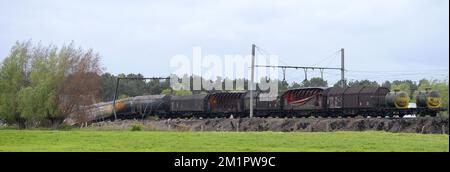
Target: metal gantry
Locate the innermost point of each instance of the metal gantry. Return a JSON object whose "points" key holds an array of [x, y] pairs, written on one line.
{"points": [[305, 68], [250, 85]]}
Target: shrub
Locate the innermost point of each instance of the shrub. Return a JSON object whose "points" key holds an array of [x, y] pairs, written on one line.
{"points": [[65, 127], [136, 127]]}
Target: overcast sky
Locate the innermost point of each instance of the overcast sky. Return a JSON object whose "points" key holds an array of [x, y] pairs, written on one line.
{"points": [[384, 39]]}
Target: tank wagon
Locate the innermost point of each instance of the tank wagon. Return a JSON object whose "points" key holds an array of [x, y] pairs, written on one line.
{"points": [[428, 99]]}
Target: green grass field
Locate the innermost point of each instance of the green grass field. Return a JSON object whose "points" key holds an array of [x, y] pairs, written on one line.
{"points": [[91, 140]]}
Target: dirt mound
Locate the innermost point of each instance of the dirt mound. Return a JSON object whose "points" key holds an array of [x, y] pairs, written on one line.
{"points": [[408, 125]]}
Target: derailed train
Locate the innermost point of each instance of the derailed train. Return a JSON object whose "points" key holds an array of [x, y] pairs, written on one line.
{"points": [[302, 102]]}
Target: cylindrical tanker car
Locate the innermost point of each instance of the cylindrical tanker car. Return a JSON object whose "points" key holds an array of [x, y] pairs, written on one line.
{"points": [[428, 99], [398, 99]]}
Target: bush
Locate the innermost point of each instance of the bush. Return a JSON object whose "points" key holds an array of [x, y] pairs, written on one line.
{"points": [[136, 127], [65, 127]]}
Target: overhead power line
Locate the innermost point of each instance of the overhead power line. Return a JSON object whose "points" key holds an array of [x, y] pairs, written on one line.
{"points": [[305, 68]]}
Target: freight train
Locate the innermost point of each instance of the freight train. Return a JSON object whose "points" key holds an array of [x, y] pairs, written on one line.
{"points": [[366, 101]]}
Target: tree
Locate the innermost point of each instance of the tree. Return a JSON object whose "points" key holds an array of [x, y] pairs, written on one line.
{"points": [[133, 87], [386, 84], [366, 82], [108, 86], [423, 84], [318, 82], [313, 82], [295, 85], [39, 83], [38, 100], [283, 85], [13, 73], [153, 87], [406, 85], [80, 85], [339, 83], [176, 92]]}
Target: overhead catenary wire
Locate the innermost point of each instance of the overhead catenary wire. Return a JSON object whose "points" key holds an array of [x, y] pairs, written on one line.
{"points": [[331, 58], [357, 74], [306, 68]]}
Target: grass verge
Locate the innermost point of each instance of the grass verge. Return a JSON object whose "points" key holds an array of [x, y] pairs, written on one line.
{"points": [[86, 140]]}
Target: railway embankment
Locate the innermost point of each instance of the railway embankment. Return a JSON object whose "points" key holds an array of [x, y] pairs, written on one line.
{"points": [[424, 125]]}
